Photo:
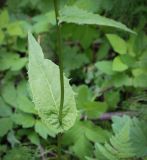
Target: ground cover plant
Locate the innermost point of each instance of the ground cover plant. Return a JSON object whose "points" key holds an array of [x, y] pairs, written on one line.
{"points": [[73, 77]]}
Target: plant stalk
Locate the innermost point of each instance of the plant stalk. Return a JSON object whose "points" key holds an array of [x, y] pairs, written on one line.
{"points": [[60, 55], [59, 50]]}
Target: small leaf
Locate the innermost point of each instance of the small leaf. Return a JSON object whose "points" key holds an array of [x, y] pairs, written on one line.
{"points": [[118, 65], [80, 16], [6, 125], [105, 67], [34, 138], [4, 19], [25, 105], [25, 120], [112, 98], [73, 60], [88, 5], [118, 44], [140, 81], [15, 29], [9, 94], [19, 153], [95, 109], [44, 130], [2, 36], [12, 139], [5, 110], [44, 79], [12, 61], [121, 79]]}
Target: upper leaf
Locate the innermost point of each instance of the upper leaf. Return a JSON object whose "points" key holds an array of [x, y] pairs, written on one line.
{"points": [[80, 16], [44, 79]]}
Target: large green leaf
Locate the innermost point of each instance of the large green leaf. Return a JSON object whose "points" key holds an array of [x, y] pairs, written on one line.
{"points": [[44, 81], [80, 16]]}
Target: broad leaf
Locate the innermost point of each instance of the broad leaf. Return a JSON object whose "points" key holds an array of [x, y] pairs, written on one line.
{"points": [[44, 81], [80, 16]]}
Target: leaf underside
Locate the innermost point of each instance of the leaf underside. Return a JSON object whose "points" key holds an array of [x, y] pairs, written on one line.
{"points": [[44, 80]]}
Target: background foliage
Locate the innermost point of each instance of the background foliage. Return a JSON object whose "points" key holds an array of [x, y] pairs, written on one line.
{"points": [[108, 71]]}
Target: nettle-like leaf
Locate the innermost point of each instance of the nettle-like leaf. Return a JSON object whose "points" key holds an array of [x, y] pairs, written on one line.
{"points": [[129, 140], [81, 136], [79, 16], [44, 79]]}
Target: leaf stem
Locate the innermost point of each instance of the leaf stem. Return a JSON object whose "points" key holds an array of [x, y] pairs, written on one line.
{"points": [[59, 51]]}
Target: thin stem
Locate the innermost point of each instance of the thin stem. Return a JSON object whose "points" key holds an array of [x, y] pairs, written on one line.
{"points": [[59, 138], [59, 50]]}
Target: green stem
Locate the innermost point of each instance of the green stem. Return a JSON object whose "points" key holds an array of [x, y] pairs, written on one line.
{"points": [[60, 60], [59, 50], [59, 138]]}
